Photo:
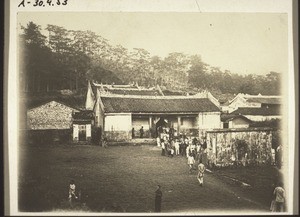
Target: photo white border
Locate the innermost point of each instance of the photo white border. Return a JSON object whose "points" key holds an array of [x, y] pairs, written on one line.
{"points": [[247, 6]]}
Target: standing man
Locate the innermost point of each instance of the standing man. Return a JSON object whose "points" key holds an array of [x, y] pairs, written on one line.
{"points": [[200, 175], [132, 132], [279, 156], [191, 162], [158, 196], [142, 132]]}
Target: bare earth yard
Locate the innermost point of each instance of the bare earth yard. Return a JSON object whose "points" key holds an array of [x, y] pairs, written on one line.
{"points": [[127, 176]]}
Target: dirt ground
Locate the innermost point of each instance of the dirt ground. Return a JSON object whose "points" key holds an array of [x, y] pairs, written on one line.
{"points": [[127, 176]]}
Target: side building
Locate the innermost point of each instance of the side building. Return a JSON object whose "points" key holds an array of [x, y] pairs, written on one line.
{"points": [[50, 120], [253, 101]]}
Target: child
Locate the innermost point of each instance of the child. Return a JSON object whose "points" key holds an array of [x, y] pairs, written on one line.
{"points": [[201, 169], [163, 148], [72, 188], [158, 141], [176, 147], [104, 143], [279, 194], [191, 162], [172, 147]]}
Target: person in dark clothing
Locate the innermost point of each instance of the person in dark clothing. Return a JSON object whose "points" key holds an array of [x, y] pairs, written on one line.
{"points": [[158, 196], [142, 132], [184, 146], [132, 133]]}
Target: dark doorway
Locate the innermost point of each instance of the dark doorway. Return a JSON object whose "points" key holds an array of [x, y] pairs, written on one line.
{"points": [[160, 124], [225, 125], [82, 133]]}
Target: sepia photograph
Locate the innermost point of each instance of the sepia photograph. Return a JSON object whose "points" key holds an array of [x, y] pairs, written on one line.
{"points": [[147, 112]]}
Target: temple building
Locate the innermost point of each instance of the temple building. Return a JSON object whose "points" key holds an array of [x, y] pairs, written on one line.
{"points": [[121, 116]]}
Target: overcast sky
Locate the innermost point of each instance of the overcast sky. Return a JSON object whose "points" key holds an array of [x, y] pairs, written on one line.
{"points": [[243, 43]]}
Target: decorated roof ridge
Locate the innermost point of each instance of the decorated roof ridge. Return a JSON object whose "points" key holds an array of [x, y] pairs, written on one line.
{"points": [[138, 89], [125, 86], [114, 85], [110, 95]]}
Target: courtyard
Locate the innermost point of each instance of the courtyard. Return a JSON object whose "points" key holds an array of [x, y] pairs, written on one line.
{"points": [[127, 176]]}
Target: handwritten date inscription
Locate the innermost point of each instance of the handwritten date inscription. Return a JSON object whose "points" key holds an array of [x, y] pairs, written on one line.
{"points": [[42, 3]]}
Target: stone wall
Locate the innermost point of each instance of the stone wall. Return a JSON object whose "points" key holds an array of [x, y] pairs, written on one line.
{"points": [[47, 137], [234, 147], [117, 135], [52, 115]]}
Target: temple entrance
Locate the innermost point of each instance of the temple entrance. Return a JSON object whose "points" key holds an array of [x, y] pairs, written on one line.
{"points": [[160, 124]]}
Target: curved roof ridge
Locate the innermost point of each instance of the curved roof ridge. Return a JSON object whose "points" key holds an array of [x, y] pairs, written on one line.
{"points": [[108, 95]]}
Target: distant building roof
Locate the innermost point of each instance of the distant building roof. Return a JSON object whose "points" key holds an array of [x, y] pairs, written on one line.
{"points": [[265, 100], [257, 111], [227, 118], [157, 105]]}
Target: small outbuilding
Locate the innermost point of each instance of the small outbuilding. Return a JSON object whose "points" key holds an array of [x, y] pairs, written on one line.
{"points": [[49, 121], [82, 126], [237, 121]]}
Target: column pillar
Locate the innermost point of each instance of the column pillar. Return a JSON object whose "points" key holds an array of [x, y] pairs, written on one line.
{"points": [[150, 125], [178, 124]]}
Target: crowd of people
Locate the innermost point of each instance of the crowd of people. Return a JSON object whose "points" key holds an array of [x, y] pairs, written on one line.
{"points": [[180, 145]]}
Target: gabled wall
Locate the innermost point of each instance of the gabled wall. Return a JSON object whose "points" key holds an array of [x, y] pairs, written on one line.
{"points": [[52, 115], [238, 123], [99, 112], [209, 120], [117, 127], [90, 98]]}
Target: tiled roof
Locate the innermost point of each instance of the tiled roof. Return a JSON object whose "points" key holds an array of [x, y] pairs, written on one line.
{"points": [[157, 105], [229, 117], [83, 115], [225, 117], [265, 100], [258, 111]]}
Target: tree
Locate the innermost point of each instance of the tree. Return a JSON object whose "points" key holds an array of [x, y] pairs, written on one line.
{"points": [[37, 61], [198, 76], [139, 64], [176, 67]]}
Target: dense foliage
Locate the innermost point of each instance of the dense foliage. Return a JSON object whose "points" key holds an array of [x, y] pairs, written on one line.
{"points": [[66, 59]]}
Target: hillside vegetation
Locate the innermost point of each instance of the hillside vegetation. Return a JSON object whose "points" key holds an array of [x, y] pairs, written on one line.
{"points": [[66, 59]]}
